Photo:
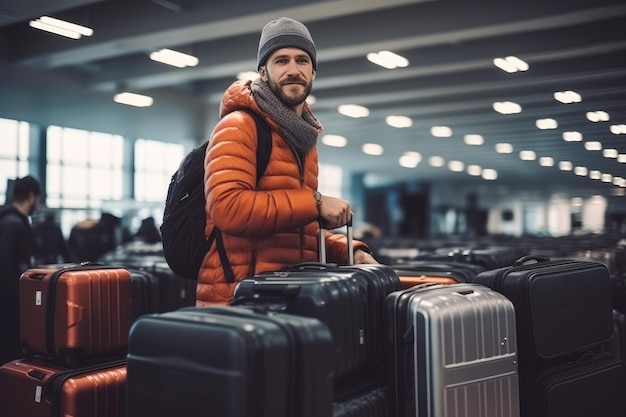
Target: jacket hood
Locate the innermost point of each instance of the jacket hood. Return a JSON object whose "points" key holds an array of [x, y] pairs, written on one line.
{"points": [[237, 96]]}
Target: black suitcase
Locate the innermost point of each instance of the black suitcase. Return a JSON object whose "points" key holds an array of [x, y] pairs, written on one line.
{"points": [[336, 298], [229, 361], [562, 307], [367, 397], [591, 385], [146, 292]]}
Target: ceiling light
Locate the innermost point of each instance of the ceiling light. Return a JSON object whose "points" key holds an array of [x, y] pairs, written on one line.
{"points": [[456, 166], [399, 121], [490, 174], [507, 107], [334, 140], [545, 124], [597, 116], [474, 170], [132, 99], [527, 155], [510, 64], [566, 166], [576, 201], [504, 148], [410, 159], [353, 110], [388, 59], [473, 140], [594, 174], [593, 145], [580, 171], [606, 178], [610, 153], [618, 129], [311, 99], [567, 97], [372, 149], [572, 136], [621, 158], [174, 58], [441, 131], [619, 181], [546, 161], [436, 161], [61, 27], [248, 75]]}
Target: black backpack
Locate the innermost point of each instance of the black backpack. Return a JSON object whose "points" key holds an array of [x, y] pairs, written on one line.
{"points": [[184, 219]]}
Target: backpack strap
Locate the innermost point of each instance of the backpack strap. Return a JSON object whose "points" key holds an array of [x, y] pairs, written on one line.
{"points": [[263, 152]]}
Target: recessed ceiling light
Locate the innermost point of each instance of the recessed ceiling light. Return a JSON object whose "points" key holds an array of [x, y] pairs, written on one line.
{"points": [[545, 124], [334, 141], [606, 178], [436, 161], [353, 110], [504, 148], [456, 166], [473, 140], [510, 64], [174, 58], [133, 99], [546, 161], [566, 166], [441, 131], [372, 149], [490, 174], [610, 153], [618, 129], [399, 121], [527, 155], [410, 159], [593, 145], [474, 170], [598, 116], [594, 174], [507, 107], [581, 171], [388, 59], [572, 136], [621, 158], [567, 97], [60, 27]]}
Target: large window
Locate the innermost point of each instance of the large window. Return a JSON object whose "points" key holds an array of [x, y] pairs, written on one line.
{"points": [[330, 180], [83, 168], [14, 137]]}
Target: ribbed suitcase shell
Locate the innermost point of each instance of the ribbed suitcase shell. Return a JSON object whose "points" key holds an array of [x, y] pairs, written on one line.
{"points": [[562, 306], [452, 352], [229, 361], [75, 313], [336, 298], [364, 399], [38, 389]]}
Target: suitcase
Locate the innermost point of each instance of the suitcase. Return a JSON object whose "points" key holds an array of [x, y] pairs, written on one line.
{"points": [[369, 397], [146, 292], [34, 388], [451, 350], [229, 361], [75, 313], [562, 306], [415, 272], [592, 385]]}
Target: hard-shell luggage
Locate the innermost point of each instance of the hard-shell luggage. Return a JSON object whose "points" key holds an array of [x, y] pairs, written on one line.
{"points": [[451, 350], [562, 306], [416, 272], [76, 313], [146, 292], [35, 388], [590, 385], [229, 361], [335, 297], [369, 397]]}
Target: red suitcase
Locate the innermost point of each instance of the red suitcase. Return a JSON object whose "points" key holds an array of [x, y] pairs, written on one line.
{"points": [[75, 313], [33, 388]]}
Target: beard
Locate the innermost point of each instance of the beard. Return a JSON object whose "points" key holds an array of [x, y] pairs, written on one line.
{"points": [[291, 97]]}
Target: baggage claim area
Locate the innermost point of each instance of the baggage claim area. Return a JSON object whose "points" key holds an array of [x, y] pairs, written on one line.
{"points": [[481, 148]]}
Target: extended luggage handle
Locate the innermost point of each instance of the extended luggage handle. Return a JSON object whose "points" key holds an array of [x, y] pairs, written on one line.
{"points": [[529, 258], [322, 243]]}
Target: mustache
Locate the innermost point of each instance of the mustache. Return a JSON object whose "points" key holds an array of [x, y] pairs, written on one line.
{"points": [[293, 80]]}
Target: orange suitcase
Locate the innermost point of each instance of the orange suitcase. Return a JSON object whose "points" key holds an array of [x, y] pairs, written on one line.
{"points": [[75, 313], [33, 388], [407, 281]]}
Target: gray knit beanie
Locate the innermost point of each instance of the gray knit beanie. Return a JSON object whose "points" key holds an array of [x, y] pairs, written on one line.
{"points": [[285, 33]]}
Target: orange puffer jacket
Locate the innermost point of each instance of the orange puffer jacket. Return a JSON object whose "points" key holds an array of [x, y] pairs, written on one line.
{"points": [[263, 228]]}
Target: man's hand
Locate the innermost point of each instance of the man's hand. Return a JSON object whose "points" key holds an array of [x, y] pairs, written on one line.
{"points": [[334, 212], [362, 257]]}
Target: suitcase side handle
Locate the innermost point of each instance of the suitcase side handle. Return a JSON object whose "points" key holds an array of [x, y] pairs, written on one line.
{"points": [[529, 258], [309, 266]]}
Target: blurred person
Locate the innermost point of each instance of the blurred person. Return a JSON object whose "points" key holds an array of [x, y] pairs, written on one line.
{"points": [[16, 250], [50, 246], [274, 222]]}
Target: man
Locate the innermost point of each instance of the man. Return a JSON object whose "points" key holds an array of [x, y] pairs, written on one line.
{"points": [[274, 222], [16, 246]]}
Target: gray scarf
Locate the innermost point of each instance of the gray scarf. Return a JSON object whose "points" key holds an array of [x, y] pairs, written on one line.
{"points": [[300, 132]]}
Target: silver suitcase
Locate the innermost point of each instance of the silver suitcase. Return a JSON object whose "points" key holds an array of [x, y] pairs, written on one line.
{"points": [[451, 350]]}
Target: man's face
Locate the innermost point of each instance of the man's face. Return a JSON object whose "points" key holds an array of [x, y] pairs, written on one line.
{"points": [[289, 74]]}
